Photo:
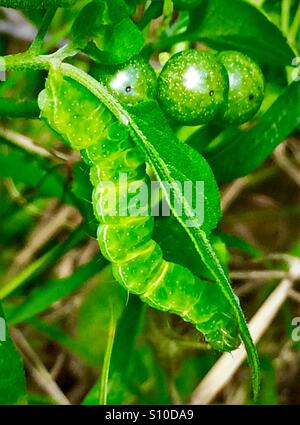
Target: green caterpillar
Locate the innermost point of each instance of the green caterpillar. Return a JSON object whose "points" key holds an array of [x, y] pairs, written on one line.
{"points": [[126, 240]]}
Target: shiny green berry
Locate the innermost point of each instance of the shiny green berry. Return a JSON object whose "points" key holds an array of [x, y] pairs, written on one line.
{"points": [[246, 87], [132, 82], [186, 4], [193, 87]]}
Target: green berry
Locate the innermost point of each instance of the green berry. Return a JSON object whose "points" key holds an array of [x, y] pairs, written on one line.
{"points": [[193, 87], [246, 87], [186, 4], [132, 82]]}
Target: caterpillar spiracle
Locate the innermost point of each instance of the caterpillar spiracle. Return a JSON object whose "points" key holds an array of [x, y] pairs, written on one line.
{"points": [[126, 240]]}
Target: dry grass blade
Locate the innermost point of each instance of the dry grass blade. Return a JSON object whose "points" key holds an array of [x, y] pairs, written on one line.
{"points": [[37, 370], [232, 192], [286, 164], [25, 143], [258, 274]]}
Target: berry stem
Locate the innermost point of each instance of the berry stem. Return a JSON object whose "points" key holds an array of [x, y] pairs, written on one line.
{"points": [[37, 45]]}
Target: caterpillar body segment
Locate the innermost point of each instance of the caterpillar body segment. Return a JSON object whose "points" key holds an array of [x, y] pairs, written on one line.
{"points": [[125, 239]]}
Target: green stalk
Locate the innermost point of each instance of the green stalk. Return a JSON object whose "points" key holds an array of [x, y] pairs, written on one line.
{"points": [[107, 359], [294, 27], [285, 16], [37, 44], [22, 61]]}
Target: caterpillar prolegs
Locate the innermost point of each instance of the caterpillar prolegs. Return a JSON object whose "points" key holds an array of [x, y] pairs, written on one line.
{"points": [[126, 240]]}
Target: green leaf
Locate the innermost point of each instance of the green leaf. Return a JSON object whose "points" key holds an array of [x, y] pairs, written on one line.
{"points": [[106, 32], [237, 25], [240, 155], [178, 248], [178, 162], [203, 136], [117, 44], [87, 24], [127, 331], [43, 296], [12, 382]]}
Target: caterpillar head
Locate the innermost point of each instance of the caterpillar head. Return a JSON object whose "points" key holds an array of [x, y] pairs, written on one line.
{"points": [[220, 339], [132, 82]]}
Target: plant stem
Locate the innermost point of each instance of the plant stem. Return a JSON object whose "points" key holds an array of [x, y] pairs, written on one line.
{"points": [[294, 27], [154, 10], [37, 44], [107, 358], [25, 274], [285, 16], [13, 108], [28, 60], [25, 61]]}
